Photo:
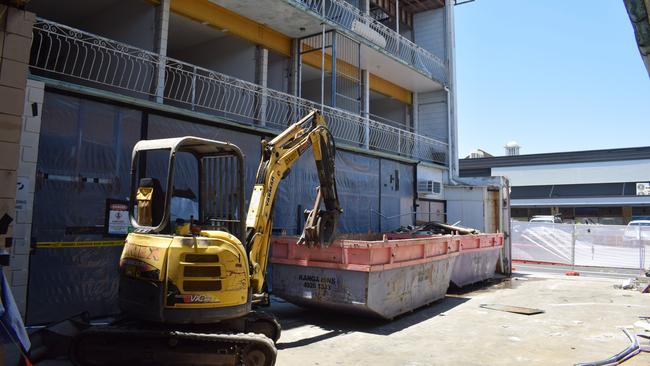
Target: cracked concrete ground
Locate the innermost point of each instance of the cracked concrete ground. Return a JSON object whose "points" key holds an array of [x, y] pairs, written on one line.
{"points": [[581, 323]]}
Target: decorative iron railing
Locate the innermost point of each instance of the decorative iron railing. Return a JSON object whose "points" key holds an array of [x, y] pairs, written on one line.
{"points": [[69, 54], [383, 38]]}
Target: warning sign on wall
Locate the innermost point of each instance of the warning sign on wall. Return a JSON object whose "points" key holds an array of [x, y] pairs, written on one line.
{"points": [[643, 189], [117, 217]]}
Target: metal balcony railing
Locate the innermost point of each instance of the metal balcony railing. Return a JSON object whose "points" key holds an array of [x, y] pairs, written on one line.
{"points": [[383, 38], [72, 55]]}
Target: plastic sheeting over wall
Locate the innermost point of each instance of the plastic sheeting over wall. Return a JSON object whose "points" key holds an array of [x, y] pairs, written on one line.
{"points": [[84, 159]]}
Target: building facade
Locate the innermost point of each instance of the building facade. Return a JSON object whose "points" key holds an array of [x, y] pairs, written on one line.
{"points": [[599, 186], [97, 76]]}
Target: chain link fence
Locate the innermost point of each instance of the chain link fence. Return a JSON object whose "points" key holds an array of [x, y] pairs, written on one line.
{"points": [[613, 246]]}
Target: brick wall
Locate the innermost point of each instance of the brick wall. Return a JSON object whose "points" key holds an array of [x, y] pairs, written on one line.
{"points": [[15, 44]]}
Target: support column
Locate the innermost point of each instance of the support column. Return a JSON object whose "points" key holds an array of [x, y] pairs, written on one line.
{"points": [[365, 93], [415, 114], [397, 17], [451, 82], [294, 81], [333, 77], [296, 76], [162, 33], [261, 78], [365, 111], [25, 188]]}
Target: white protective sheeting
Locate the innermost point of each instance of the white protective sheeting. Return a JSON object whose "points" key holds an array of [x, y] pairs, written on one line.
{"points": [[582, 245]]}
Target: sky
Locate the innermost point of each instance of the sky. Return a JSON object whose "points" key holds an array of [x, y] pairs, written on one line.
{"points": [[553, 75]]}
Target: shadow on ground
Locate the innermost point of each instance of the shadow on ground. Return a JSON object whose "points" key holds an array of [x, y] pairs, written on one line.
{"points": [[337, 323]]}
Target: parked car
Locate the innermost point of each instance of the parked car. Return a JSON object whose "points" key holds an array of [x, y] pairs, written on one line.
{"points": [[637, 230], [549, 219]]}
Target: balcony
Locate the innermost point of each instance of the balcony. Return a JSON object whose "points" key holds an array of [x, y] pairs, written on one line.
{"points": [[384, 52], [74, 56], [377, 35]]}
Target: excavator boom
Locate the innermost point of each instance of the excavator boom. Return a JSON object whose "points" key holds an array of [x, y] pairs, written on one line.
{"points": [[278, 156]]}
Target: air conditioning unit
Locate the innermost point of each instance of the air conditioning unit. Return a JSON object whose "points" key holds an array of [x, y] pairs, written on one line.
{"points": [[429, 188], [368, 33]]}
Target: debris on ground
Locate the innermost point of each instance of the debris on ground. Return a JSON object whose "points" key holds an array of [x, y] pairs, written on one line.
{"points": [[641, 284], [512, 309], [632, 350], [434, 227]]}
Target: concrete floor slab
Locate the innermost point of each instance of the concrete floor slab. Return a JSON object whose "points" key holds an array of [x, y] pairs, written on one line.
{"points": [[580, 323]]}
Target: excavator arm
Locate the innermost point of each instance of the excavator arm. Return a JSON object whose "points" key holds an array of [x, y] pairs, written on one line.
{"points": [[278, 156]]}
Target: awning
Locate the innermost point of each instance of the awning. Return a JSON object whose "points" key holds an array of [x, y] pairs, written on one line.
{"points": [[582, 201]]}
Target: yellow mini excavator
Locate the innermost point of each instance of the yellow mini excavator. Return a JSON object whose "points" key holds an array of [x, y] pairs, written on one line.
{"points": [[193, 269]]}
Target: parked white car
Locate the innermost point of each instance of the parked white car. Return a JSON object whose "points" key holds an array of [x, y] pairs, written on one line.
{"points": [[637, 230]]}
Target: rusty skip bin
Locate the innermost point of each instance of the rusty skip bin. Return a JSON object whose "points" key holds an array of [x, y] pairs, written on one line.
{"points": [[373, 274]]}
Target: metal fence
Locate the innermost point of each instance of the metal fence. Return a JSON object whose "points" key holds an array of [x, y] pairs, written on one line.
{"points": [[69, 54], [582, 245], [351, 18]]}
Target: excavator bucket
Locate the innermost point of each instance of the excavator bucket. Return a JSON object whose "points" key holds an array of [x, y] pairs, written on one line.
{"points": [[320, 225]]}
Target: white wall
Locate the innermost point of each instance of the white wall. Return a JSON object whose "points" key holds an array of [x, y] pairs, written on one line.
{"points": [[579, 173], [466, 205]]}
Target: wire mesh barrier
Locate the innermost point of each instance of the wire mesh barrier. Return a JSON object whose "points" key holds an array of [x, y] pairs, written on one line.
{"points": [[351, 18], [582, 245], [68, 54]]}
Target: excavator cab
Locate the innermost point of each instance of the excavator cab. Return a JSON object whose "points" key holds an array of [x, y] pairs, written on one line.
{"points": [[187, 183], [185, 261]]}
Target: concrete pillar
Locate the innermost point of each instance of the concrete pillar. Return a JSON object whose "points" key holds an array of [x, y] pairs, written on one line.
{"points": [[162, 32], [261, 78], [26, 182], [365, 110], [294, 76]]}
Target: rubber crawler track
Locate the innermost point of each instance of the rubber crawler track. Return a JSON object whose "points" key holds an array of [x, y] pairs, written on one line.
{"points": [[118, 345]]}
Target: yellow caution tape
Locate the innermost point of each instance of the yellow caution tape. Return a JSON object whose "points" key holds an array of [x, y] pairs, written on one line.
{"points": [[79, 244]]}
